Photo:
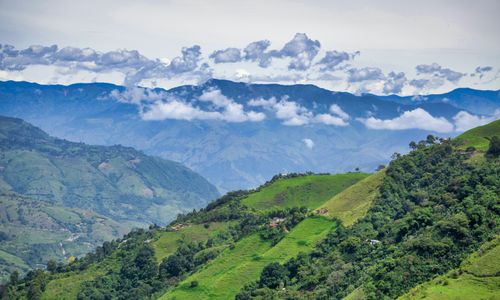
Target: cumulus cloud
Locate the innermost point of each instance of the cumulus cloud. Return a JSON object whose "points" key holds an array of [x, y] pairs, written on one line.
{"points": [[333, 59], [256, 51], [413, 119], [301, 50], [364, 74], [293, 114], [160, 105], [229, 55], [134, 65], [232, 111], [436, 70], [481, 71], [465, 121], [328, 119], [309, 143], [394, 83], [336, 110]]}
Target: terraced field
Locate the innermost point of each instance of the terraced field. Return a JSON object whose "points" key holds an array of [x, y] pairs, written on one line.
{"points": [[308, 191], [167, 241], [227, 274], [353, 202]]}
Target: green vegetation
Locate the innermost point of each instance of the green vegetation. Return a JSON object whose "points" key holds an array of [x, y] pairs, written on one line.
{"points": [[223, 277], [479, 137], [60, 199], [308, 191], [167, 242], [353, 202], [433, 209], [409, 229], [478, 277]]}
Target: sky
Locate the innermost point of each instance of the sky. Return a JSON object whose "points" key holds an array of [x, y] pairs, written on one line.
{"points": [[381, 47]]}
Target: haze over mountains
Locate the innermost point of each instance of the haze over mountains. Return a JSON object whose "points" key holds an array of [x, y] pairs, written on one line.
{"points": [[239, 135]]}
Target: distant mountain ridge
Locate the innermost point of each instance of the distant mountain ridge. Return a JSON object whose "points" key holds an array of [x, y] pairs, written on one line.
{"points": [[230, 155]]}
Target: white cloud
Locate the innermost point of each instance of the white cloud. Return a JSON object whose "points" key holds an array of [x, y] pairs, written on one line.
{"points": [[177, 110], [413, 119], [465, 121], [161, 106], [330, 120], [309, 143], [294, 114], [336, 110]]}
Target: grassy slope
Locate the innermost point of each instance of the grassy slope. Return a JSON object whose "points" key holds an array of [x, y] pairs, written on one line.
{"points": [[227, 274], [353, 202], [309, 191], [479, 137], [165, 243], [479, 278]]}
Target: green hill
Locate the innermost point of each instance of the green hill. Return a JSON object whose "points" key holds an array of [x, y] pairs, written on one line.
{"points": [[353, 202], [308, 191], [479, 137], [223, 277], [306, 236], [60, 199]]}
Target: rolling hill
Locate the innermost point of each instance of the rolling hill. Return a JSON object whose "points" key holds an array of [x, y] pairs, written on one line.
{"points": [[60, 199], [405, 231]]}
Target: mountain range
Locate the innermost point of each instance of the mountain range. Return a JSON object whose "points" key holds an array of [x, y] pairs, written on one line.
{"points": [[306, 128]]}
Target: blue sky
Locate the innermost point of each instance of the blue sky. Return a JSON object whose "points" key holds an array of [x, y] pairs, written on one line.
{"points": [[383, 47]]}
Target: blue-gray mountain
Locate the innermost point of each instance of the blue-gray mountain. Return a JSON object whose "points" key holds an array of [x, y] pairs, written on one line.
{"points": [[235, 155]]}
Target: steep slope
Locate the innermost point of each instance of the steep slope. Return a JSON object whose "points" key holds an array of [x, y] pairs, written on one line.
{"points": [[231, 155], [308, 191], [435, 206], [353, 202], [60, 199], [223, 277], [478, 277], [417, 219], [116, 181], [224, 229], [479, 137]]}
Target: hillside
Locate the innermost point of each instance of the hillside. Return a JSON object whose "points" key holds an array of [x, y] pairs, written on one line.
{"points": [[479, 137], [231, 155], [478, 277], [60, 199], [358, 236]]}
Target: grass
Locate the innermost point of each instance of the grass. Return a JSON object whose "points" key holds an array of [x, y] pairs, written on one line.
{"points": [[223, 277], [166, 242], [477, 278], [67, 288], [353, 202], [310, 191], [479, 136]]}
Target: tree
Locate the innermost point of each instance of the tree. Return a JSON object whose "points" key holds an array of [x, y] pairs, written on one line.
{"points": [[494, 148], [52, 266], [274, 275], [380, 167], [14, 277]]}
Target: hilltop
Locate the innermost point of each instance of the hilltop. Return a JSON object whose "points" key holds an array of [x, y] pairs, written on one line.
{"points": [[355, 235]]}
